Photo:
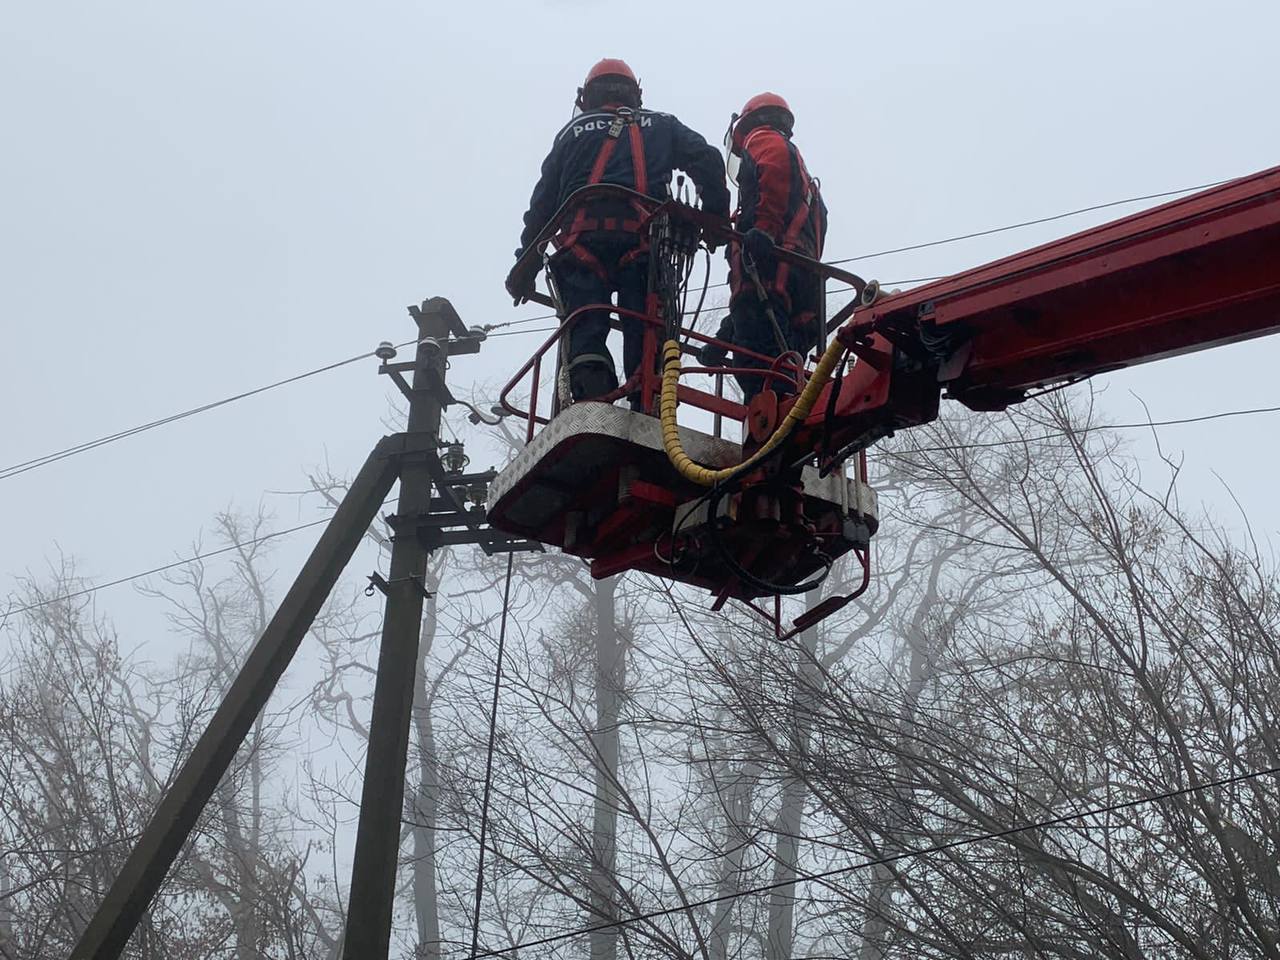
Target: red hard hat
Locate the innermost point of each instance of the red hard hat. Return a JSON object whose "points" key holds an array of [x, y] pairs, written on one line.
{"points": [[761, 101], [610, 67]]}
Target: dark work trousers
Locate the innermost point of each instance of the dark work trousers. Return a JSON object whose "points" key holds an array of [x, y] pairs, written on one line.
{"points": [[748, 323], [580, 285], [749, 327]]}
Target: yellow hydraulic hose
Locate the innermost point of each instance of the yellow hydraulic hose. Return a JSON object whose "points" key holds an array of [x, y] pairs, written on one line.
{"points": [[705, 476]]}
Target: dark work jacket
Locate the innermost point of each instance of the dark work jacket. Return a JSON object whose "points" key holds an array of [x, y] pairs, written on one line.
{"points": [[668, 146]]}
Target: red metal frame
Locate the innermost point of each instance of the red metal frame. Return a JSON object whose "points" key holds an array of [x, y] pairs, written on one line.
{"points": [[714, 230], [649, 376]]}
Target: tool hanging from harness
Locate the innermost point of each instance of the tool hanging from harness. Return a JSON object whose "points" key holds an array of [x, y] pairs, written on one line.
{"points": [[569, 241]]}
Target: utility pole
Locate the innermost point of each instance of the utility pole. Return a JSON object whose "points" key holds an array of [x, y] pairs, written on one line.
{"points": [[373, 873], [433, 512]]}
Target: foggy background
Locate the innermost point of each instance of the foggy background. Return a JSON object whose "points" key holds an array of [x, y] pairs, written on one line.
{"points": [[200, 199]]}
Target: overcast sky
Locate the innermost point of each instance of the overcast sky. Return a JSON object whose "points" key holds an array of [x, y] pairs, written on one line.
{"points": [[202, 198]]}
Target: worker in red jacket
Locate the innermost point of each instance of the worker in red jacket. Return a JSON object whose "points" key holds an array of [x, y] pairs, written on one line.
{"points": [[602, 251], [773, 306]]}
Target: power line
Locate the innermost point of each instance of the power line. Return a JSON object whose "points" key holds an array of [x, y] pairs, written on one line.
{"points": [[964, 236], [160, 569], [520, 333], [706, 310], [20, 468], [893, 858], [1102, 426], [1032, 223], [488, 759]]}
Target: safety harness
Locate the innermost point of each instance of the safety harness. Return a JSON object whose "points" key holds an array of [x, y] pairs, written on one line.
{"points": [[807, 207], [568, 240], [792, 234]]}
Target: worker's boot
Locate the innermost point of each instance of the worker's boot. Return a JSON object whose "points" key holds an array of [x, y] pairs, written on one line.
{"points": [[590, 377]]}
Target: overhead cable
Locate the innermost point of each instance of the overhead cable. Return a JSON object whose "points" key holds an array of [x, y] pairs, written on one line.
{"points": [[1031, 223], [160, 569], [966, 236], [1014, 441], [707, 310], [488, 758], [20, 468]]}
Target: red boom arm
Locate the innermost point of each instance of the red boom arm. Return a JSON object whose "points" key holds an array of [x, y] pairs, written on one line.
{"points": [[1185, 276]]}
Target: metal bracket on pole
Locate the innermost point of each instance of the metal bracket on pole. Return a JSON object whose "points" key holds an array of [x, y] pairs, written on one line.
{"points": [[439, 314], [415, 446], [393, 370], [382, 585]]}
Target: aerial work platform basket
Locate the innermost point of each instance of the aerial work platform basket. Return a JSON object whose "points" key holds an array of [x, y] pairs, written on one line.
{"points": [[595, 480], [597, 483]]}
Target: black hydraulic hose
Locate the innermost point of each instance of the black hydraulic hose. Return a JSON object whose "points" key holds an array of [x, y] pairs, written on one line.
{"points": [[745, 575]]}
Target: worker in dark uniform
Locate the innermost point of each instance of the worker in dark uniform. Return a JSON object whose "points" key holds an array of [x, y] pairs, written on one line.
{"points": [[779, 205], [602, 251]]}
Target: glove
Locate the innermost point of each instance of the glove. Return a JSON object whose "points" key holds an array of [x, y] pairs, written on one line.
{"points": [[519, 284], [713, 238], [758, 245], [712, 355]]}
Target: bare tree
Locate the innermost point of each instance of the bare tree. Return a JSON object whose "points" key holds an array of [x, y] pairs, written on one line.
{"points": [[1044, 636], [91, 734], [1067, 640]]}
